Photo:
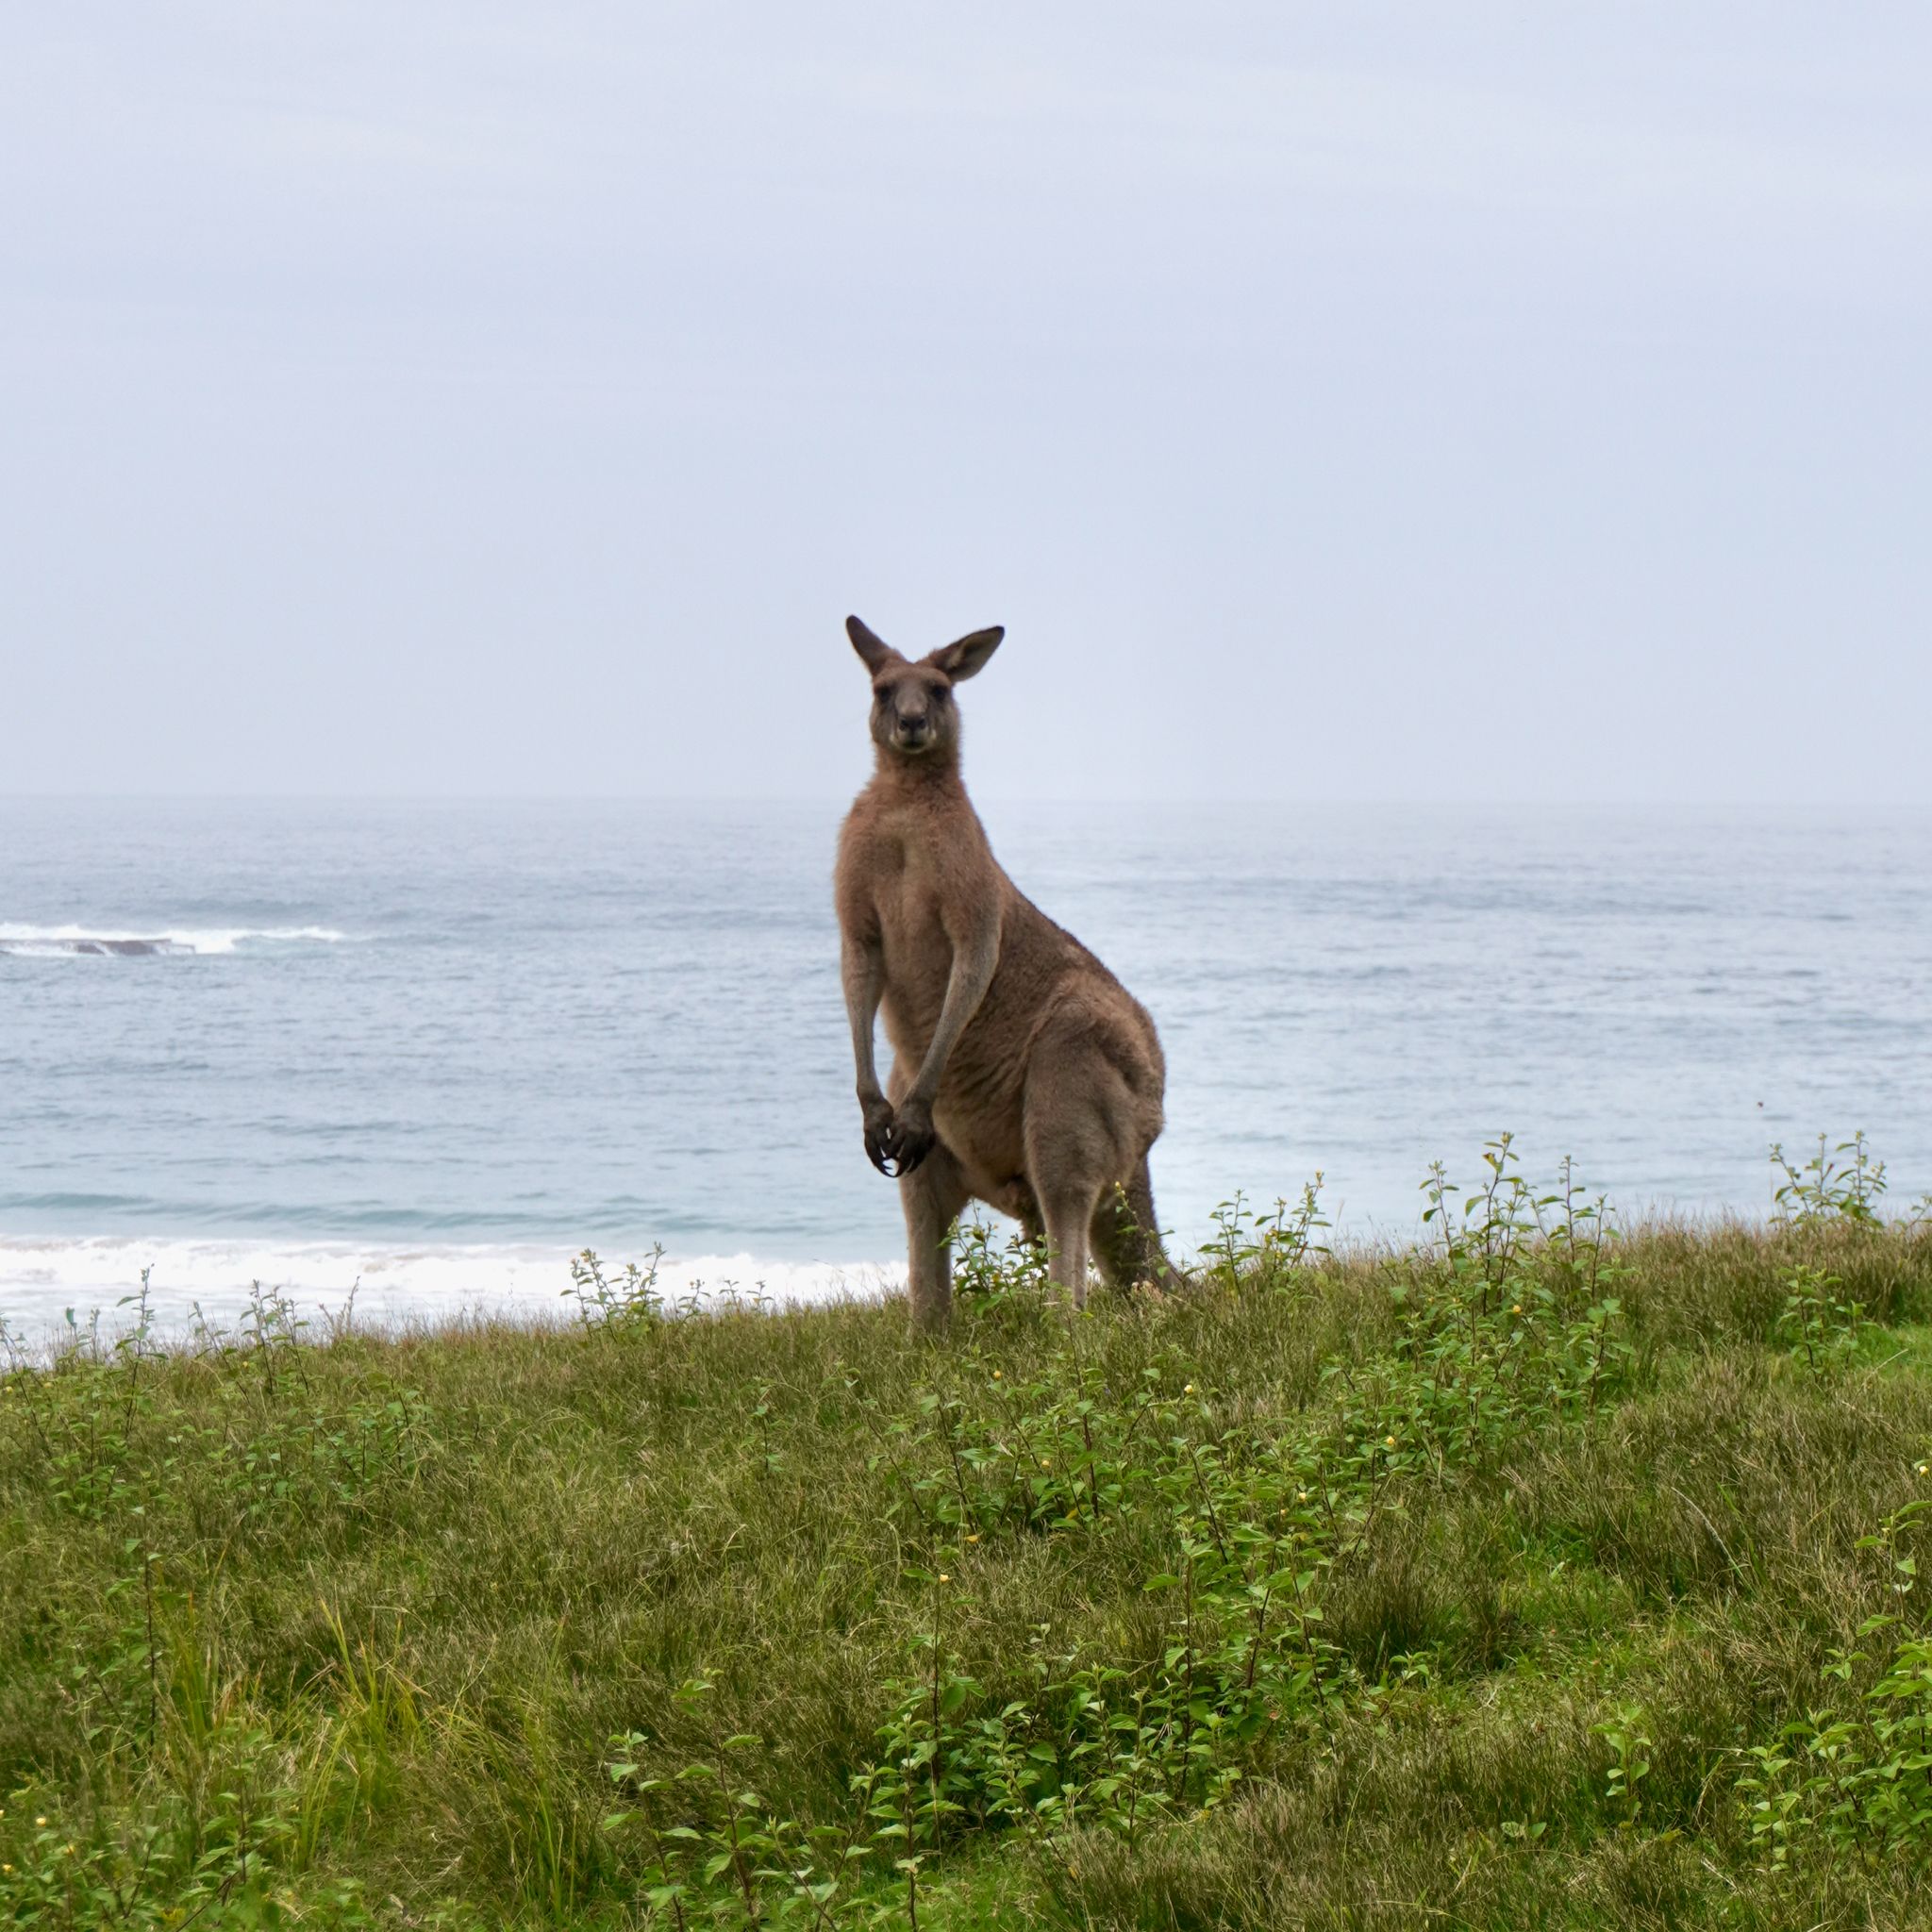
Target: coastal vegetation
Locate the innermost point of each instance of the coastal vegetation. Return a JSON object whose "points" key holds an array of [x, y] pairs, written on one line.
{"points": [[1541, 1572]]}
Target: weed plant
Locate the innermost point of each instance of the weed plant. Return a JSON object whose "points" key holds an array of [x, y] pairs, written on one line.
{"points": [[1536, 1573]]}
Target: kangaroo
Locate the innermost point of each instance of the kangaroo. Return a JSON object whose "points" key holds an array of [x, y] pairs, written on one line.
{"points": [[1024, 1075]]}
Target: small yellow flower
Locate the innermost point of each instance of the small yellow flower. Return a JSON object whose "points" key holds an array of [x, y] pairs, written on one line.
{"points": [[996, 1375], [973, 1538], [1189, 1389], [1044, 1463], [1925, 1469], [39, 1821], [4, 1870], [1301, 1495], [943, 1577], [68, 1849], [1388, 1441], [1516, 1308]]}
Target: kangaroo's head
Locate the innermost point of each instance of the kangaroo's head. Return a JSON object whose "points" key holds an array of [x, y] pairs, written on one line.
{"points": [[913, 715]]}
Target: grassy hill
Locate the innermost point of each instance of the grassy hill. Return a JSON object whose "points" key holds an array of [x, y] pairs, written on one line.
{"points": [[1534, 1577]]}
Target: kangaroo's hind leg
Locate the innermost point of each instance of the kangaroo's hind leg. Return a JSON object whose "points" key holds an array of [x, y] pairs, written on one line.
{"points": [[1076, 1103], [1068, 1174], [1068, 1217], [933, 1196], [1127, 1236]]}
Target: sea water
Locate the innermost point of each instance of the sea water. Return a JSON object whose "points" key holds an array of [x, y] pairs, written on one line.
{"points": [[435, 1049]]}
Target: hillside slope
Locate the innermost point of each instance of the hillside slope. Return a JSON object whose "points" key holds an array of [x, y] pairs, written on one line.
{"points": [[1534, 1577]]}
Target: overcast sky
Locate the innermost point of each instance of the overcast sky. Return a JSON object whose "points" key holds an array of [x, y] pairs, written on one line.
{"points": [[1333, 401]]}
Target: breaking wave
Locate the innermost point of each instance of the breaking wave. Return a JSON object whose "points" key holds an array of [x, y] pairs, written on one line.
{"points": [[44, 1278], [79, 941]]}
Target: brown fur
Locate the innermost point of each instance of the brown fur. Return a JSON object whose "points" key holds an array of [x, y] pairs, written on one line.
{"points": [[1023, 1074]]}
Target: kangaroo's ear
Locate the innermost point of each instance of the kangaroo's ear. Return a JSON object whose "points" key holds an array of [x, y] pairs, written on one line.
{"points": [[968, 656], [871, 646]]}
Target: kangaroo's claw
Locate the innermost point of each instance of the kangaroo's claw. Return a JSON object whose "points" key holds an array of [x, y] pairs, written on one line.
{"points": [[912, 1138], [879, 1137]]}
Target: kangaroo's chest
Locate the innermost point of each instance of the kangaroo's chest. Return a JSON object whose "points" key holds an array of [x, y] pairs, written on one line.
{"points": [[909, 897]]}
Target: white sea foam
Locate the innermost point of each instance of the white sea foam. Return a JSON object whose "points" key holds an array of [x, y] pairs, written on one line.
{"points": [[44, 1278], [84, 942]]}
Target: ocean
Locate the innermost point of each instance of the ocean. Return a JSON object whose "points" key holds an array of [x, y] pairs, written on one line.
{"points": [[428, 1051]]}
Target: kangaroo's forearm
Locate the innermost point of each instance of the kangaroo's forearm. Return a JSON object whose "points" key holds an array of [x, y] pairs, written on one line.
{"points": [[865, 976], [966, 987]]}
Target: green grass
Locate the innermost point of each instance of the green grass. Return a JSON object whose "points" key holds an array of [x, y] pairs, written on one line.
{"points": [[1534, 1578]]}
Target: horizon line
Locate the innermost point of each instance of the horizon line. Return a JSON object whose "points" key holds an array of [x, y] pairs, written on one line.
{"points": [[1540, 802]]}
